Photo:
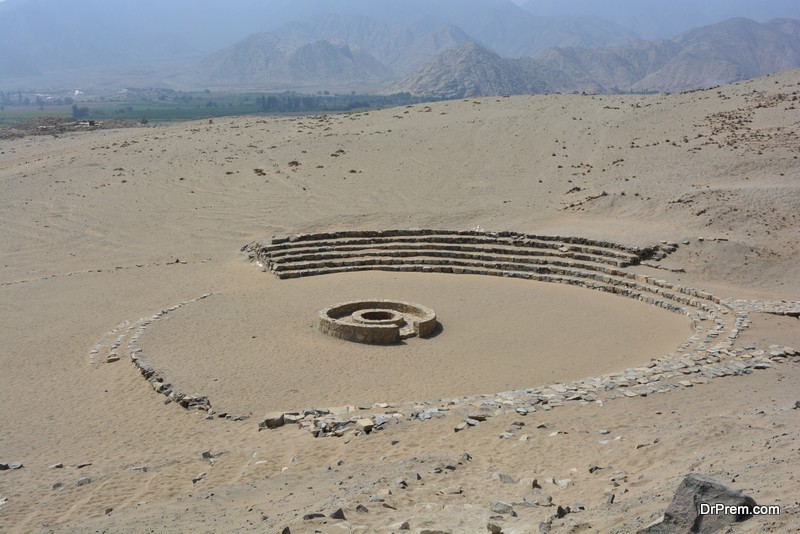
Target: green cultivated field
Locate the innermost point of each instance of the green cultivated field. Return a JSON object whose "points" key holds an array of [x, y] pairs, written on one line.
{"points": [[166, 106]]}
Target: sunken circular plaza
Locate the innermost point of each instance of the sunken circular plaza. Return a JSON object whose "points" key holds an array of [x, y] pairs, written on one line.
{"points": [[507, 330], [377, 322]]}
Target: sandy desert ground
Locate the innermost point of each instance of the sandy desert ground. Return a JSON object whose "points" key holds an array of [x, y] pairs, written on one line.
{"points": [[103, 228]]}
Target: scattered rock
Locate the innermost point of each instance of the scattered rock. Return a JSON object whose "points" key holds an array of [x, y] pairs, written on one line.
{"points": [[198, 478], [84, 481], [365, 425], [684, 512], [564, 483], [59, 465], [362, 509], [273, 420], [58, 486], [84, 464], [502, 477], [494, 528], [500, 507], [311, 516]]}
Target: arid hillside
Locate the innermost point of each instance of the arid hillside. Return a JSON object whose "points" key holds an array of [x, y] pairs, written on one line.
{"points": [[131, 245]]}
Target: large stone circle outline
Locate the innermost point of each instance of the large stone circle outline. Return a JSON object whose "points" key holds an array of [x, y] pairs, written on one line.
{"points": [[708, 353]]}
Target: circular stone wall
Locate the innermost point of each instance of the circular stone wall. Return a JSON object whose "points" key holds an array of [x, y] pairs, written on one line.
{"points": [[377, 322]]}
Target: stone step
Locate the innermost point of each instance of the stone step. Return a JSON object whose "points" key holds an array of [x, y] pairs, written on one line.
{"points": [[433, 250], [308, 245], [442, 256], [416, 232]]}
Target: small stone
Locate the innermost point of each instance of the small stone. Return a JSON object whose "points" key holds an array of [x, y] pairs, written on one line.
{"points": [[140, 468], [502, 477], [610, 499], [453, 490], [198, 478], [500, 507], [84, 464], [562, 511], [493, 527], [58, 486], [400, 481], [461, 426], [564, 483], [337, 514], [273, 420], [84, 480], [365, 425], [315, 515], [362, 509], [109, 510], [59, 465], [15, 465]]}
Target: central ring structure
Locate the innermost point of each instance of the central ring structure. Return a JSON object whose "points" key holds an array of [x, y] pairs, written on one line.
{"points": [[377, 322]]}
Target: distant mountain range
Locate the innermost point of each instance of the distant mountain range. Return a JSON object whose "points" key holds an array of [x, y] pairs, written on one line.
{"points": [[430, 47], [332, 51], [733, 50]]}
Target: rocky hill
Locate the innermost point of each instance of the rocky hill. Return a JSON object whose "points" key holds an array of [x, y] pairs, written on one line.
{"points": [[721, 53], [263, 60], [733, 50], [400, 48]]}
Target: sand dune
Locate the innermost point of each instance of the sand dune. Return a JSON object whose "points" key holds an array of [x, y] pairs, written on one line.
{"points": [[100, 228]]}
